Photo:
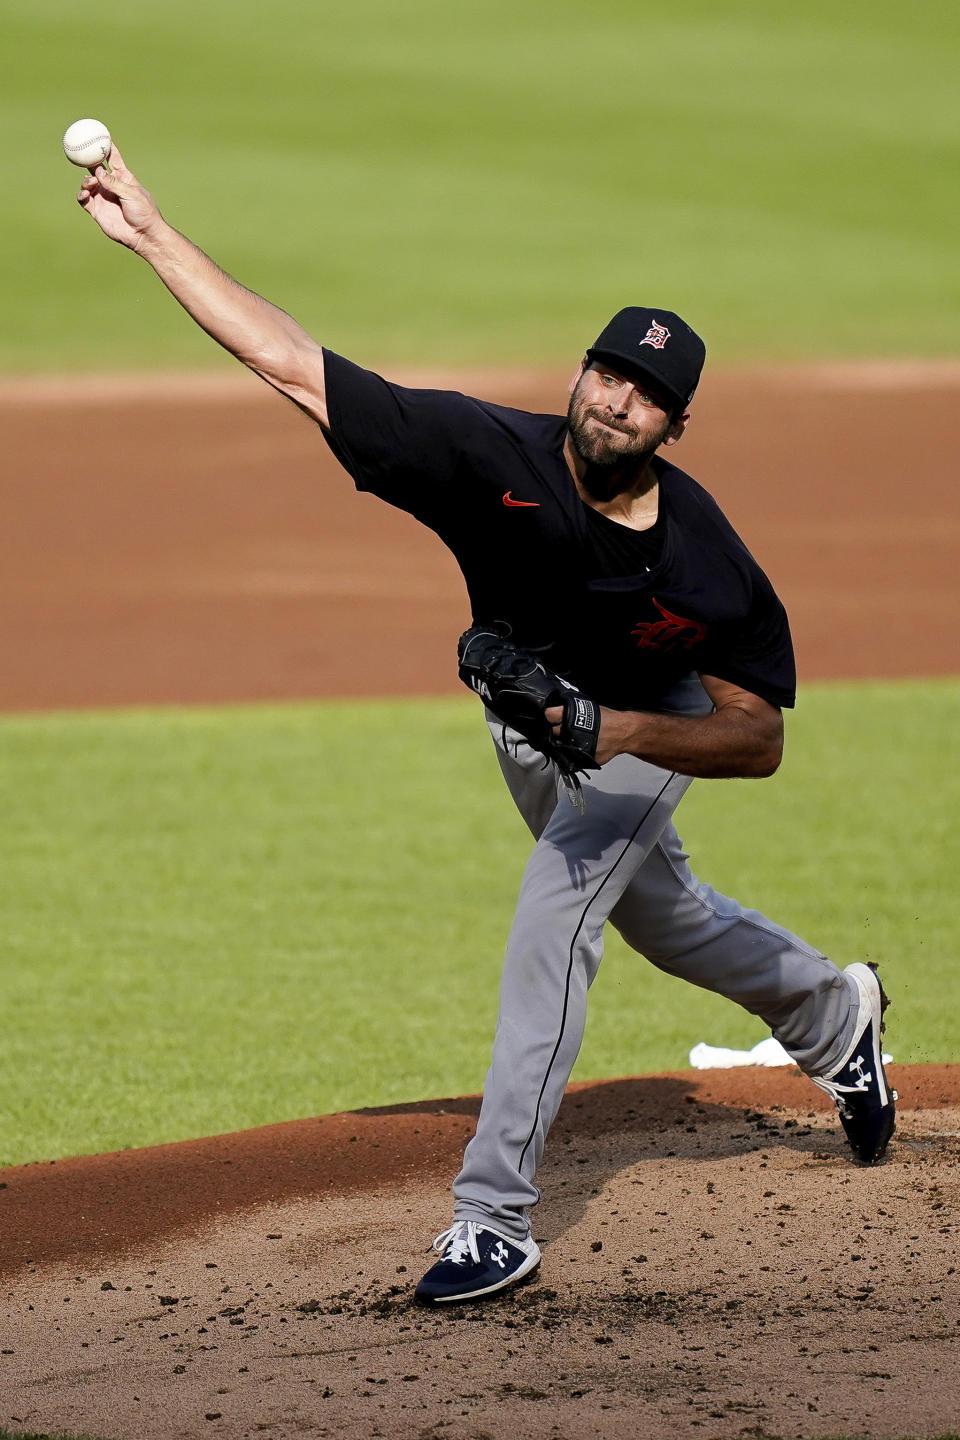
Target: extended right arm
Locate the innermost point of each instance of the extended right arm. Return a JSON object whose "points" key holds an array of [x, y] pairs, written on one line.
{"points": [[264, 337]]}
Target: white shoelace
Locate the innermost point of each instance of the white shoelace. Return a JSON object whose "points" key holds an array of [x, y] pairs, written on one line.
{"points": [[458, 1242]]}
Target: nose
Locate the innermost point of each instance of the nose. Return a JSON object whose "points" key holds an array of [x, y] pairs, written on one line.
{"points": [[618, 400]]}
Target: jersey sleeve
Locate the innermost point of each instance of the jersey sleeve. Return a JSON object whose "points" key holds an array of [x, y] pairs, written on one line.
{"points": [[756, 652], [401, 444]]}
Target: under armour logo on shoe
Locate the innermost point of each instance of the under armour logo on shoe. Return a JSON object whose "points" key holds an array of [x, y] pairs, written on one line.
{"points": [[862, 1080], [499, 1254]]}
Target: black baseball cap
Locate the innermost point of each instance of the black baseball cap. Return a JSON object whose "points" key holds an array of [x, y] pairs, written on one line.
{"points": [[657, 345]]}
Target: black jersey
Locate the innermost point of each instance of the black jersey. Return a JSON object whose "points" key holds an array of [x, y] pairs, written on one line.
{"points": [[619, 550], [493, 483]]}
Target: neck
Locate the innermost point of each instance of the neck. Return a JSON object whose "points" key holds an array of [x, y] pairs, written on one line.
{"points": [[627, 493]]}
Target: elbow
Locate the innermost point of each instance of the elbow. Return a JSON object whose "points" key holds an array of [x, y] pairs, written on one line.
{"points": [[276, 359], [761, 748], [767, 765], [295, 368], [768, 754]]}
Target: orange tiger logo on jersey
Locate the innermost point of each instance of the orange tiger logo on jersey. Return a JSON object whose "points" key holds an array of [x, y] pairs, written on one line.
{"points": [[673, 632]]}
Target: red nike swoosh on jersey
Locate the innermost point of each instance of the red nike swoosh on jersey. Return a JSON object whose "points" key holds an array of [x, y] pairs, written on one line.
{"points": [[532, 504]]}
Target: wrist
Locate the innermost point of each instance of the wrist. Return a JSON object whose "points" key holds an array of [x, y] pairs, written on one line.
{"points": [[633, 730], [153, 240], [622, 733]]}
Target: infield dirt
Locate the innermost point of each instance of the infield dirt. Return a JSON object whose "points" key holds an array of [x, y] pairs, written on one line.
{"points": [[194, 540], [713, 1263]]}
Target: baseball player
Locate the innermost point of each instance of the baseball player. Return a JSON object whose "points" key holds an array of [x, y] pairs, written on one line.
{"points": [[625, 641]]}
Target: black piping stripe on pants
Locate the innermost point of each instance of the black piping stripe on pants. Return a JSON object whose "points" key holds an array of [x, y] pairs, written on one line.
{"points": [[566, 989]]}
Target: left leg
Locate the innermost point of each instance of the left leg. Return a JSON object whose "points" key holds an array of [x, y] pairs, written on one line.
{"points": [[690, 930], [829, 1020], [578, 870]]}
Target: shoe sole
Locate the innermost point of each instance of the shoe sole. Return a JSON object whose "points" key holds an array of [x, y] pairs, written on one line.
{"points": [[881, 1026], [519, 1277], [892, 1096]]}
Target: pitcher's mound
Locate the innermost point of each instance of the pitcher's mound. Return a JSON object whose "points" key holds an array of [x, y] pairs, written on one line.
{"points": [[713, 1265]]}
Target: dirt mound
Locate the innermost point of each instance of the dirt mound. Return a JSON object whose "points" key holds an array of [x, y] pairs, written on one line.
{"points": [[713, 1265]]}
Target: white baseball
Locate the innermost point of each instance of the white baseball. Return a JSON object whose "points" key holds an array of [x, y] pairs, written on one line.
{"points": [[87, 143]]}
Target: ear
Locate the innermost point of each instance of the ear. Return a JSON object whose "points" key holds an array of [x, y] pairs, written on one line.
{"points": [[576, 379], [676, 430]]}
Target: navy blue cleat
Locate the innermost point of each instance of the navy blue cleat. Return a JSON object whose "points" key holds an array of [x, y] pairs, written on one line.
{"points": [[475, 1261], [859, 1085]]}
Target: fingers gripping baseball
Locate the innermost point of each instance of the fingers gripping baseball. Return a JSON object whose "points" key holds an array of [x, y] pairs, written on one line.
{"points": [[119, 204]]}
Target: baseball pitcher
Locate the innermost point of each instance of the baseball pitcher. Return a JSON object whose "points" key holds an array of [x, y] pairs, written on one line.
{"points": [[624, 641]]}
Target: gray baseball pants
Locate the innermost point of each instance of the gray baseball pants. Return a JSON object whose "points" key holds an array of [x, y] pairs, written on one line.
{"points": [[622, 861]]}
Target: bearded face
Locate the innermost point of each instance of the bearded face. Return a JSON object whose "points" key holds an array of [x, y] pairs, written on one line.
{"points": [[611, 445]]}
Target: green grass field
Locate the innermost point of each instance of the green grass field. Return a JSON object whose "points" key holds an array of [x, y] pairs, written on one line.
{"points": [[490, 181], [216, 919]]}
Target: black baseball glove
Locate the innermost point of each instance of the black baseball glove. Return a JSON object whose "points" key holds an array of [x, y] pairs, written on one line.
{"points": [[519, 689]]}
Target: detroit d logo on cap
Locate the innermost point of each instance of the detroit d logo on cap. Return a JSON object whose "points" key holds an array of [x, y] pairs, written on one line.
{"points": [[657, 336]]}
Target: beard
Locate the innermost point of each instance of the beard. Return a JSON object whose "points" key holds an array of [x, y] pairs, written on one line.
{"points": [[612, 451]]}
